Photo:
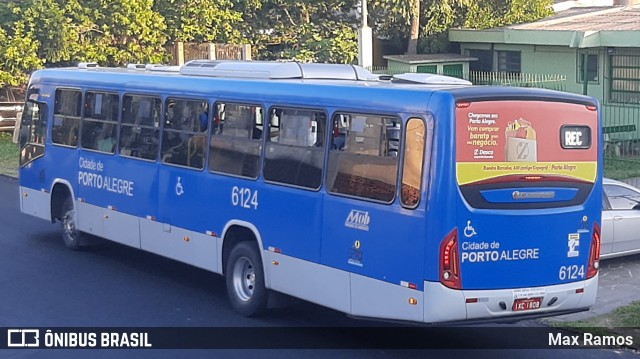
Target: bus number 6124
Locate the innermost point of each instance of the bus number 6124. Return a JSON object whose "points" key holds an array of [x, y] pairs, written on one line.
{"points": [[244, 197], [571, 272]]}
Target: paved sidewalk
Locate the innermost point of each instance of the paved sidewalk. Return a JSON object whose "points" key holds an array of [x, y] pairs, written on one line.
{"points": [[619, 285]]}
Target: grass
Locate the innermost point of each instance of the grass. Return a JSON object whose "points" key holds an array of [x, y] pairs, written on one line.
{"points": [[620, 169], [622, 321], [8, 155]]}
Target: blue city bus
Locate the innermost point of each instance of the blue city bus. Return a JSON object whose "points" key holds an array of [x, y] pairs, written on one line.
{"points": [[412, 197]]}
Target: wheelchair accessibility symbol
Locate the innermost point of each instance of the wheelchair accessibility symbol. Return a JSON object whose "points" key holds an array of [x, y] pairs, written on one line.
{"points": [[179, 189], [469, 231]]}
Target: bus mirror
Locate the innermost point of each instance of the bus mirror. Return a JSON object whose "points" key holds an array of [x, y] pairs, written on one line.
{"points": [[16, 128]]}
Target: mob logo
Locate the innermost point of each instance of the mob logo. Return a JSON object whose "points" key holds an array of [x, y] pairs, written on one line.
{"points": [[358, 220]]}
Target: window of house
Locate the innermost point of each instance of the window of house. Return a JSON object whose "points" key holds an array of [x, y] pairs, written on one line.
{"points": [[625, 78], [591, 66], [427, 69], [140, 126], [454, 70], [509, 61], [236, 139], [484, 62], [294, 153], [184, 135], [363, 161], [100, 121], [66, 117]]}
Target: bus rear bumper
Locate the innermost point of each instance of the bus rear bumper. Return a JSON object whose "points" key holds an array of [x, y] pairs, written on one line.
{"points": [[442, 304]]}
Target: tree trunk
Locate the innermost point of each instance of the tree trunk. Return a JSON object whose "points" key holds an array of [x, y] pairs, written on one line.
{"points": [[412, 47]]}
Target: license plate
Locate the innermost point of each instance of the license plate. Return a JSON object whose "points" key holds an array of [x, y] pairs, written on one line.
{"points": [[526, 304]]}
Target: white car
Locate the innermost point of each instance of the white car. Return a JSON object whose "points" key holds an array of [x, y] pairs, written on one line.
{"points": [[620, 219]]}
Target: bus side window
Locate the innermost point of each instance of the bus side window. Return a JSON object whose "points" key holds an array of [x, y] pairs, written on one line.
{"points": [[295, 152], [183, 140], [236, 139], [66, 117], [362, 162], [139, 128], [100, 121], [35, 117], [413, 164]]}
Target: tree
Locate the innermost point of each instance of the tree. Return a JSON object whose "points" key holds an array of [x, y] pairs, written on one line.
{"points": [[127, 31], [482, 13], [392, 19], [200, 20], [18, 53], [17, 56], [412, 47], [305, 30]]}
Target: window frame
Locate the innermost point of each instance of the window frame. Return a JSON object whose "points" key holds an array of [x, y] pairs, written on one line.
{"points": [[396, 116], [121, 123], [62, 88], [580, 70], [611, 203], [615, 81], [206, 133], [117, 121], [213, 113], [508, 62], [268, 123], [424, 164], [42, 144]]}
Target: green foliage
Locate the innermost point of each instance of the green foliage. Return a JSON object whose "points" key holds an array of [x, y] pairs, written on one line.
{"points": [[437, 16], [305, 30], [37, 33], [483, 14], [200, 20], [17, 55]]}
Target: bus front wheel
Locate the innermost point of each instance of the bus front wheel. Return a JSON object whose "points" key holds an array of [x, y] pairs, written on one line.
{"points": [[70, 233], [245, 279]]}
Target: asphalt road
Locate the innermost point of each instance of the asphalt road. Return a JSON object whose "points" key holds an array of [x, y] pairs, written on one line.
{"points": [[43, 284]]}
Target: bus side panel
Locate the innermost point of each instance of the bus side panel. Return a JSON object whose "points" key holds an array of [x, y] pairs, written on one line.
{"points": [[180, 244], [35, 202], [309, 281], [375, 240], [441, 196], [295, 223], [379, 299]]}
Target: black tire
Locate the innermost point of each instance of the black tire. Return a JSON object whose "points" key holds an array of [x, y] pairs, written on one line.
{"points": [[70, 234], [245, 279]]}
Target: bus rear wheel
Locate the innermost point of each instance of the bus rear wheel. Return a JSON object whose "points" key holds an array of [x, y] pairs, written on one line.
{"points": [[70, 233], [245, 279]]}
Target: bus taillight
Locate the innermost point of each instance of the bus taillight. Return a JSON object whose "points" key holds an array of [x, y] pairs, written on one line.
{"points": [[594, 255], [449, 261]]}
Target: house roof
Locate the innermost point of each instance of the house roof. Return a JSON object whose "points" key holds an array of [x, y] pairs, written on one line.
{"points": [[589, 19], [429, 58], [583, 27]]}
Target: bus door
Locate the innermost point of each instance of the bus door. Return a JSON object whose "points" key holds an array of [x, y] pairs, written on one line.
{"points": [[31, 136], [185, 195], [366, 231], [118, 178]]}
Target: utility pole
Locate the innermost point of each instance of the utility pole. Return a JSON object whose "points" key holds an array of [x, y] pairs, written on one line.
{"points": [[365, 40]]}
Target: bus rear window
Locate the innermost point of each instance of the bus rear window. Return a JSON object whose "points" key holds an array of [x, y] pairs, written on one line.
{"points": [[525, 154]]}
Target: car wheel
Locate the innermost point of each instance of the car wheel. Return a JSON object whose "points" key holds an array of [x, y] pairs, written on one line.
{"points": [[245, 279]]}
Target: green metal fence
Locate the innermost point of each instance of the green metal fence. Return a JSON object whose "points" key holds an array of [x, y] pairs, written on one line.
{"points": [[548, 81]]}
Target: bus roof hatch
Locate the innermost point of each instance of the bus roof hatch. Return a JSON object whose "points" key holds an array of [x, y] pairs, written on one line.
{"points": [[275, 70]]}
